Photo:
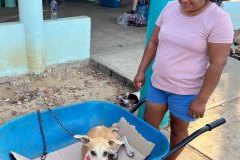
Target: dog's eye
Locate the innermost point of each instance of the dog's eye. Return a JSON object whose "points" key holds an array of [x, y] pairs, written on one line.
{"points": [[105, 154], [111, 143], [93, 153]]}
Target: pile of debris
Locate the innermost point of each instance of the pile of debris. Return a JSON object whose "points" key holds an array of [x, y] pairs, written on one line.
{"points": [[235, 48], [128, 100]]}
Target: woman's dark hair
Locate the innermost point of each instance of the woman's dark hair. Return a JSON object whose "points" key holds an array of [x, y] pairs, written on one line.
{"points": [[218, 2]]}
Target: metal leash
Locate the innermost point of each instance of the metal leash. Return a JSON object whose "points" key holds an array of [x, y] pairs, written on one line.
{"points": [[60, 123], [44, 154]]}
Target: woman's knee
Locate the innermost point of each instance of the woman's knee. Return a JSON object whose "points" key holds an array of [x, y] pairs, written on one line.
{"points": [[178, 127], [154, 113]]}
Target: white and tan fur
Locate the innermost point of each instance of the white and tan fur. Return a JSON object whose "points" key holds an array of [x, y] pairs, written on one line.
{"points": [[102, 141]]}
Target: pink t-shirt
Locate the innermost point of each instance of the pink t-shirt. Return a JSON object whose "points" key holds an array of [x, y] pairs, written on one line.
{"points": [[181, 58]]}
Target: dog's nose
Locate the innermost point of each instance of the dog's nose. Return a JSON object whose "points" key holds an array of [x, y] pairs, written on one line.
{"points": [[113, 156]]}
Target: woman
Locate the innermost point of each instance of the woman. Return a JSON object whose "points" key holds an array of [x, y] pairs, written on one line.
{"points": [[190, 44], [132, 20], [134, 5]]}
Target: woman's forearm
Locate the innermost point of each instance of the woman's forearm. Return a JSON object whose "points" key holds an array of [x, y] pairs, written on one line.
{"points": [[148, 56], [150, 51], [218, 55], [210, 82]]}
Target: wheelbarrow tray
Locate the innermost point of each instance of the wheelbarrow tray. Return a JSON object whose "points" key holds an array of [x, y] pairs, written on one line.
{"points": [[22, 135]]}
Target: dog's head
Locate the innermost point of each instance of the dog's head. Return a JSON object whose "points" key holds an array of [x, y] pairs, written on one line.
{"points": [[98, 148]]}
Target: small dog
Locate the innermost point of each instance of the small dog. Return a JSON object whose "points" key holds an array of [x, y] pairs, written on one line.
{"points": [[101, 142]]}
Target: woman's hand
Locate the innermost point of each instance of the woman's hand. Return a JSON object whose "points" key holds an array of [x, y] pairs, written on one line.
{"points": [[197, 108], [139, 80]]}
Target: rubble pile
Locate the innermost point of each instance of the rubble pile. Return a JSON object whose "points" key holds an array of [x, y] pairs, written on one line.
{"points": [[235, 48]]}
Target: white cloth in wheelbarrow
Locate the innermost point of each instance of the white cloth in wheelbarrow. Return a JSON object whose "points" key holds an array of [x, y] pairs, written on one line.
{"points": [[142, 148]]}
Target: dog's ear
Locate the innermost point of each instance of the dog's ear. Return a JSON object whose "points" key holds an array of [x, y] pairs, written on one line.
{"points": [[114, 129], [115, 141], [114, 145], [83, 138]]}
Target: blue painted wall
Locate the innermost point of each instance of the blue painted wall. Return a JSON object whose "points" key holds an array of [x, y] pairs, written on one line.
{"points": [[233, 8], [66, 40], [13, 55]]}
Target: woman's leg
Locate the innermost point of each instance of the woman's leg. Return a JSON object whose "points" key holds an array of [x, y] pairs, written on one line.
{"points": [[179, 131], [134, 6], [154, 113]]}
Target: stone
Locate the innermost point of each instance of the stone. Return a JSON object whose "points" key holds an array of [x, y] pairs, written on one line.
{"points": [[27, 80], [26, 100], [19, 102], [14, 112]]}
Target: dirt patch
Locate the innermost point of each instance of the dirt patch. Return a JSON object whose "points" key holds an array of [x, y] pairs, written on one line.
{"points": [[59, 86]]}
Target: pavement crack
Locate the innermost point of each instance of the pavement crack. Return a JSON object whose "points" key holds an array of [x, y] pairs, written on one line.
{"points": [[223, 104], [203, 154]]}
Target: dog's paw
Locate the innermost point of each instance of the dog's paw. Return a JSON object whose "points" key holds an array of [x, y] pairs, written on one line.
{"points": [[130, 153]]}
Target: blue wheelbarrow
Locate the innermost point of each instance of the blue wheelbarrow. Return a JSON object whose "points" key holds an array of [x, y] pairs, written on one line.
{"points": [[24, 136]]}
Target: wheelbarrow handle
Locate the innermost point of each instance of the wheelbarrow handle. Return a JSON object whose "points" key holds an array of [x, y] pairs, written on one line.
{"points": [[216, 123], [200, 131], [136, 106]]}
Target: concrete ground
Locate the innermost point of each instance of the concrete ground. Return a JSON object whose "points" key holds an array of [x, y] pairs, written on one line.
{"points": [[117, 50]]}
